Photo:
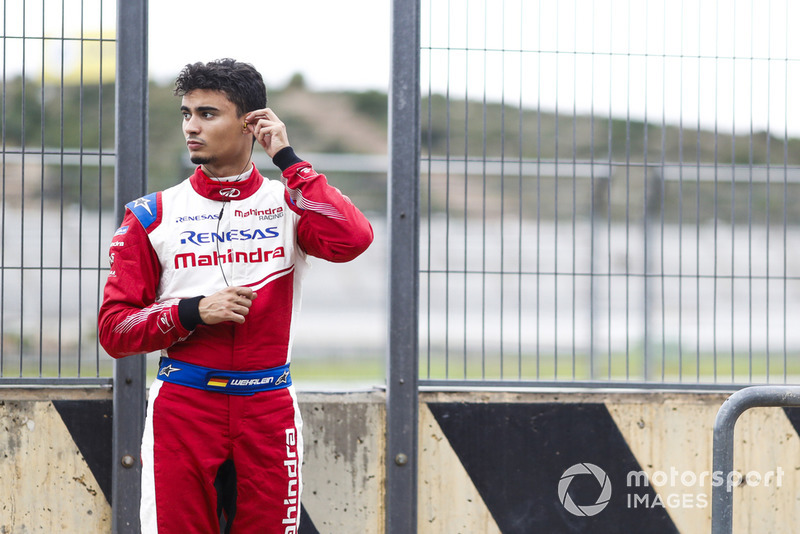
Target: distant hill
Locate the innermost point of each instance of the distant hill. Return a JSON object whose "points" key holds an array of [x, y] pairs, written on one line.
{"points": [[356, 122]]}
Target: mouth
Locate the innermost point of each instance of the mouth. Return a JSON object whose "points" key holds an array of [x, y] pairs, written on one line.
{"points": [[194, 144]]}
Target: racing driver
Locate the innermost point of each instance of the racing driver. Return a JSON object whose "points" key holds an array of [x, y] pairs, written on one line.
{"points": [[209, 273]]}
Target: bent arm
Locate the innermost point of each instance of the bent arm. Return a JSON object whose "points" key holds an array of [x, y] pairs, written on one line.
{"points": [[130, 321], [331, 227]]}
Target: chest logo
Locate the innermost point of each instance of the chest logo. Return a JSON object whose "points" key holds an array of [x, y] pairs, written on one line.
{"points": [[230, 192]]}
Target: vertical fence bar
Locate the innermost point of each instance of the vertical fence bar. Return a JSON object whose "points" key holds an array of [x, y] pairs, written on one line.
{"points": [[41, 268], [23, 146], [61, 233], [520, 189], [466, 200], [428, 208], [100, 205], [785, 169], [733, 207], [646, 246], [698, 254], [3, 209], [768, 190], [130, 183], [403, 222], [716, 276], [538, 270]]}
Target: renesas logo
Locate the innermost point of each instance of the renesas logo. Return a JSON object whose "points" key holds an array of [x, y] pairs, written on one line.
{"points": [[249, 234], [263, 215], [196, 218]]}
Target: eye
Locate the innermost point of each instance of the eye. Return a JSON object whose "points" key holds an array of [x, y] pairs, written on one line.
{"points": [[207, 115], [186, 115]]}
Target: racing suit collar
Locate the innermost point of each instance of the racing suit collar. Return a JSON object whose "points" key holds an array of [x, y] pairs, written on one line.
{"points": [[225, 191]]}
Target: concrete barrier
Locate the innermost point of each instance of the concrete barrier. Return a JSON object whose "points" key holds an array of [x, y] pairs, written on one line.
{"points": [[49, 441], [560, 461]]}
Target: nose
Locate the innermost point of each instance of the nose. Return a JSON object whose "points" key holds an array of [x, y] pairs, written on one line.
{"points": [[191, 125]]}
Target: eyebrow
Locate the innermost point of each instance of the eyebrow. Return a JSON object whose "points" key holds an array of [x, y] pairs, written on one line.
{"points": [[200, 108]]}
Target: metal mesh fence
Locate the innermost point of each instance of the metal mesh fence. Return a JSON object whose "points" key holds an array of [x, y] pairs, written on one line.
{"points": [[57, 185], [608, 192]]}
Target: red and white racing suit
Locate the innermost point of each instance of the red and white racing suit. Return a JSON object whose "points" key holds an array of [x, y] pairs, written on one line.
{"points": [[191, 240]]}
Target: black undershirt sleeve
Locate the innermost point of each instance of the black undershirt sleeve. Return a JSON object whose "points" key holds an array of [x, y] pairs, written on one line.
{"points": [[285, 158], [189, 312]]}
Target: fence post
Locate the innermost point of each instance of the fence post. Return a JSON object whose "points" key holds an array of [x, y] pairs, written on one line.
{"points": [[651, 221], [729, 412], [402, 374], [130, 182]]}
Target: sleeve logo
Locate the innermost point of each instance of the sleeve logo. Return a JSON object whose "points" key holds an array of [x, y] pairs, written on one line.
{"points": [[164, 322]]}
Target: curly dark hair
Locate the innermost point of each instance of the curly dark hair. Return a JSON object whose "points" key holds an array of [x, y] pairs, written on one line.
{"points": [[240, 81]]}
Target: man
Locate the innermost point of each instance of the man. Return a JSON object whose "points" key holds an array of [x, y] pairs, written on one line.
{"points": [[209, 272]]}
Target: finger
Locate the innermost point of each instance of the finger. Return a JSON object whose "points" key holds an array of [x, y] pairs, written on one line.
{"points": [[238, 319], [270, 114], [263, 131], [241, 310], [252, 116], [245, 292], [259, 126], [235, 314], [264, 137], [260, 114], [256, 112]]}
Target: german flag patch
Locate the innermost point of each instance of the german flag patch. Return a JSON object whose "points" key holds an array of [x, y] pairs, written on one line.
{"points": [[218, 382]]}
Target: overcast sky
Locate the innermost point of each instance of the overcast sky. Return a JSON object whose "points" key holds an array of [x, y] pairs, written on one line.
{"points": [[342, 44], [718, 63], [653, 58]]}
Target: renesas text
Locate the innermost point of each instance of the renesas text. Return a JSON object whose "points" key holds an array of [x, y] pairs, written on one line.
{"points": [[201, 238]]}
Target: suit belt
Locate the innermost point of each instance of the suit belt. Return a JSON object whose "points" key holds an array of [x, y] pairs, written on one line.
{"points": [[229, 382]]}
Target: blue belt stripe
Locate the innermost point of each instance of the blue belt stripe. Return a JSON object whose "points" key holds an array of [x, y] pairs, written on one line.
{"points": [[229, 382]]}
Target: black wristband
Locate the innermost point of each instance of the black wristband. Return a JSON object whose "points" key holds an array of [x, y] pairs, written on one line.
{"points": [[285, 158], [189, 312]]}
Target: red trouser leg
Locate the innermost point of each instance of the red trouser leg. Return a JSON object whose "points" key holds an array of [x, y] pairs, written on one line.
{"points": [[267, 454], [185, 441], [190, 433]]}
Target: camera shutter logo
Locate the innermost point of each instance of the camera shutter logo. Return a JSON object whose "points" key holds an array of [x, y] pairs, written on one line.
{"points": [[602, 499]]}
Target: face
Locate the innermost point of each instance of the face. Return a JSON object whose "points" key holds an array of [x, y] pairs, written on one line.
{"points": [[213, 131]]}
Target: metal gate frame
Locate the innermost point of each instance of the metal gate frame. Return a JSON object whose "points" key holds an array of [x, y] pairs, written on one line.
{"points": [[402, 368], [130, 181], [728, 414]]}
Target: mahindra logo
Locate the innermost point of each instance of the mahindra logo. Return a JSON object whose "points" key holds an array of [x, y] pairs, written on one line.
{"points": [[230, 192]]}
